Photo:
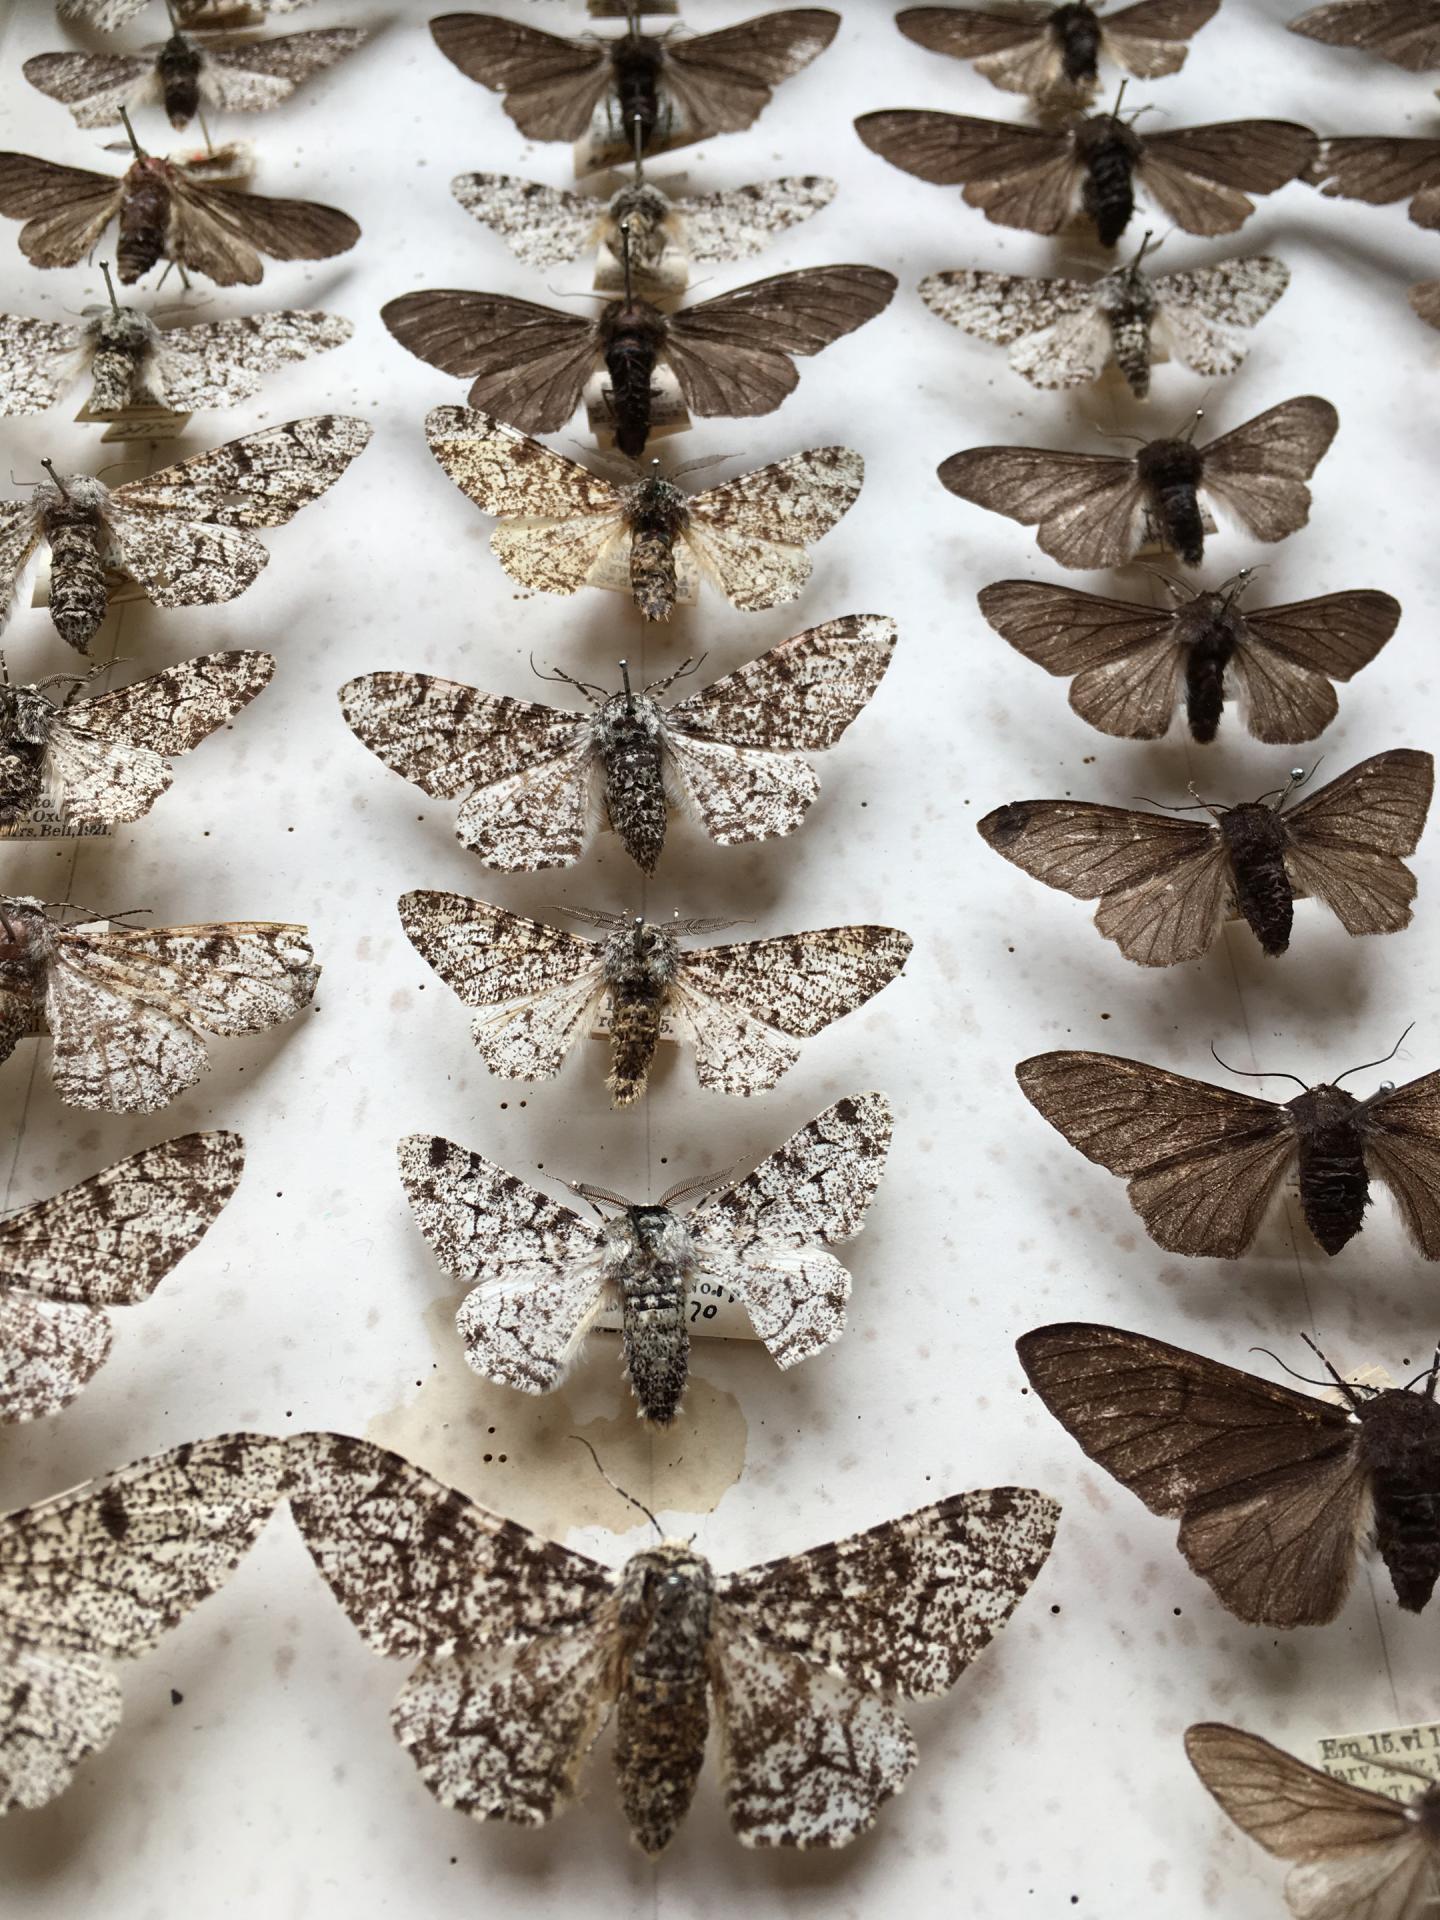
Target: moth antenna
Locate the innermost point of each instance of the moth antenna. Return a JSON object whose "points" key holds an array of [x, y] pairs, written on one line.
{"points": [[1173, 806], [567, 679], [1232, 588], [49, 466], [109, 286], [616, 1488], [1285, 1365], [686, 1189], [1347, 1387], [135, 145], [597, 1195], [1249, 1073], [685, 668], [92, 913], [1376, 1063], [1114, 433]]}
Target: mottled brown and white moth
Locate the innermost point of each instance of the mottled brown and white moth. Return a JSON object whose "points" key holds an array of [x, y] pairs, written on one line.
{"points": [[1203, 1164], [183, 534], [525, 1648], [533, 780], [183, 75], [1100, 510], [1052, 51], [742, 1007], [1381, 168], [125, 1006], [638, 92], [1041, 178], [132, 362], [1405, 32], [96, 1575], [1065, 333], [107, 1242], [106, 15], [1133, 664], [100, 763], [541, 1273], [666, 233], [563, 527], [732, 356], [1358, 1855], [1167, 885], [1278, 1493]]}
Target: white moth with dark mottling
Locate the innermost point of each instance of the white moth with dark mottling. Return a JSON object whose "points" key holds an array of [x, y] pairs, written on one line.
{"points": [[741, 1007], [125, 1006], [182, 534], [106, 15], [100, 763], [532, 780], [542, 1273], [523, 1648], [96, 1575], [107, 1242]]}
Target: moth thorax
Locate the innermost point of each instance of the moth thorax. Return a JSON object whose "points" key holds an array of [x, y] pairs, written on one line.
{"points": [[1128, 304], [639, 966], [1400, 1444], [26, 718], [649, 1256], [144, 218], [667, 1598], [630, 340], [636, 60], [124, 341], [74, 526], [1255, 839], [22, 944], [1077, 32], [629, 736], [179, 69], [1334, 1186], [1207, 631], [1108, 151], [646, 214], [657, 514], [1171, 472]]}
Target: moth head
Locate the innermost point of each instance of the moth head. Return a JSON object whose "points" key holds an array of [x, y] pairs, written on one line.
{"points": [[22, 922], [644, 207], [667, 1585]]}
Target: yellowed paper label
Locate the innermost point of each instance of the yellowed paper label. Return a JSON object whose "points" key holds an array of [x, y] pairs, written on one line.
{"points": [[1385, 1762], [713, 1312]]}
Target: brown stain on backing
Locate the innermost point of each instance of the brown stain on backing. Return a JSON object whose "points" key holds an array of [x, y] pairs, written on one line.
{"points": [[514, 1452]]}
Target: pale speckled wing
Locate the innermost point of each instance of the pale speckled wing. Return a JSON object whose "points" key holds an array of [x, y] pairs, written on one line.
{"points": [[1072, 353], [807, 1757], [1088, 509], [55, 1710], [1002, 307], [37, 360], [737, 224], [219, 363], [749, 535], [49, 1350], [95, 86], [106, 15], [799, 983], [95, 783], [19, 539], [1203, 310], [906, 1606], [543, 226], [733, 1052], [184, 563], [739, 793], [252, 77], [113, 1051], [260, 480], [419, 1568]]}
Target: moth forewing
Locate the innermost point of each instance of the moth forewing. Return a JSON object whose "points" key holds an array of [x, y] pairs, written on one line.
{"points": [[1404, 32]]}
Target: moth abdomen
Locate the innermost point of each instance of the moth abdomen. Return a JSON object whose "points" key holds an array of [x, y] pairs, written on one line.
{"points": [[657, 513], [123, 344], [1108, 193], [79, 596], [144, 219], [666, 1603], [1078, 32], [1400, 1441], [654, 1289], [1170, 471], [1255, 839], [636, 1007], [630, 342], [634, 763], [179, 70], [637, 92], [1334, 1185], [1130, 344], [1205, 668]]}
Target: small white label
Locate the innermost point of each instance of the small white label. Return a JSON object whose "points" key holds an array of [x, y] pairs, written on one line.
{"points": [[45, 822], [135, 423], [1385, 1762], [667, 409], [713, 1312]]}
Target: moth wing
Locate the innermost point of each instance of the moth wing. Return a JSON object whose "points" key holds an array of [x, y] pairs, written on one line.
{"points": [[1018, 176], [219, 362], [249, 79], [1258, 471], [1376, 168], [220, 231], [419, 1568], [111, 1239], [65, 209], [174, 710], [113, 1050], [1201, 176], [36, 362], [552, 86], [1163, 884], [733, 1052], [95, 86], [721, 82], [557, 517], [19, 542], [1003, 307], [1294, 1811], [741, 794], [526, 1330], [260, 480], [735, 225], [749, 535], [1149, 39], [1397, 30], [1072, 353], [807, 1756], [1425, 301], [181, 562], [56, 1709], [112, 1564], [543, 226], [49, 1350], [1390, 1882], [526, 362], [1402, 1145], [1199, 312], [799, 983], [229, 977], [1088, 509], [969, 33], [1283, 703], [1202, 1163], [1288, 655], [1344, 844]]}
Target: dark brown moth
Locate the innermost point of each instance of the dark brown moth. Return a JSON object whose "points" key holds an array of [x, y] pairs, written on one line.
{"points": [[1133, 664], [1053, 52], [1359, 1855], [1203, 1164], [1425, 300], [730, 356], [164, 213], [1166, 885], [184, 75], [1380, 168], [523, 1648], [1405, 32], [1040, 178], [1277, 1492], [639, 92], [1100, 510]]}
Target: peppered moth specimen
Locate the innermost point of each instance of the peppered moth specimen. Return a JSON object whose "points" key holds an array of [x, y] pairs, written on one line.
{"points": [[730, 356], [547, 227], [542, 1273], [107, 1242], [106, 15], [1052, 52], [101, 763], [165, 213], [132, 362], [184, 75], [1166, 885], [1405, 32], [182, 534], [1100, 510], [1132, 664], [539, 989], [1359, 1855], [1277, 1492], [562, 526], [1040, 178], [532, 779], [1203, 1164], [524, 1648], [125, 1006], [1425, 300], [636, 93], [1065, 333], [1380, 168], [97, 1575]]}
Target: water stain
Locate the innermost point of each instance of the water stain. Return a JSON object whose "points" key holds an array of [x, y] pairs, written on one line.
{"points": [[514, 1452]]}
